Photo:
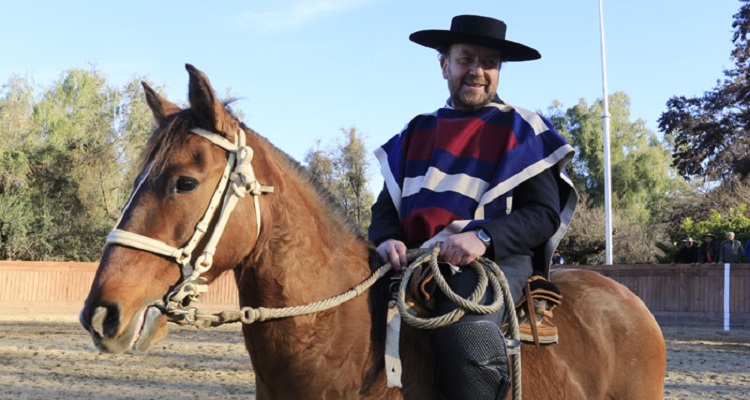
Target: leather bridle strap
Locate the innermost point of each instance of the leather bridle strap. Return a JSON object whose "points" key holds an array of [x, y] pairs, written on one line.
{"points": [[237, 180]]}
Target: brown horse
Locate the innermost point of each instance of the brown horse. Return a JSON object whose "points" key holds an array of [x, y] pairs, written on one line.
{"points": [[292, 247]]}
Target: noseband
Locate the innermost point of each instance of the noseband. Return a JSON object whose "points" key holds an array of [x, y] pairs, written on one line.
{"points": [[237, 181]]}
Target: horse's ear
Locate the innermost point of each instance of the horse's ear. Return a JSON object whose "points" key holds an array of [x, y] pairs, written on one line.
{"points": [[159, 105], [206, 107]]}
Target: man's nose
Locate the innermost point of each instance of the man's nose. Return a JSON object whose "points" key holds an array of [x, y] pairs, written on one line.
{"points": [[476, 68]]}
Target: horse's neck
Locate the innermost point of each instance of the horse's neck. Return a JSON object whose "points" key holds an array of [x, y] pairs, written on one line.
{"points": [[306, 254], [308, 243]]}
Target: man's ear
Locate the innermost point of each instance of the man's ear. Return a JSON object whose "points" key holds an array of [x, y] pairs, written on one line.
{"points": [[444, 67]]}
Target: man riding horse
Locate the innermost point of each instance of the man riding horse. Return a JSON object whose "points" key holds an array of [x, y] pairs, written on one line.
{"points": [[485, 179]]}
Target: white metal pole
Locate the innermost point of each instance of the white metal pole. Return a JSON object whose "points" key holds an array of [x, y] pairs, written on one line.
{"points": [[605, 121], [727, 295]]}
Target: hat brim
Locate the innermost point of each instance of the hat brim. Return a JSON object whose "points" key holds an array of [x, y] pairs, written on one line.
{"points": [[510, 51]]}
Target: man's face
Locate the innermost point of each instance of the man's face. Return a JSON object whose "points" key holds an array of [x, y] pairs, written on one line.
{"points": [[690, 244], [472, 73], [730, 236], [708, 239]]}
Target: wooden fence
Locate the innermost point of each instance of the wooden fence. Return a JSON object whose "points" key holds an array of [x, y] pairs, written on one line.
{"points": [[688, 295], [60, 288], [675, 294]]}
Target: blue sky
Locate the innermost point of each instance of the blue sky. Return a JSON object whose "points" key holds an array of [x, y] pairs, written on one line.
{"points": [[306, 69]]}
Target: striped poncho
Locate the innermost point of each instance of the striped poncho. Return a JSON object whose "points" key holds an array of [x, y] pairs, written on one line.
{"points": [[451, 170]]}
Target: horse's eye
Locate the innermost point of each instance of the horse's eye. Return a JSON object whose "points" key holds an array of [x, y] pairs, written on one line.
{"points": [[185, 184]]}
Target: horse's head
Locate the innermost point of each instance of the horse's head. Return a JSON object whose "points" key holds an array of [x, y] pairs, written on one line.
{"points": [[175, 232]]}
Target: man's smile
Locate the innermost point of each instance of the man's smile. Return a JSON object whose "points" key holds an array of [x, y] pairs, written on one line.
{"points": [[475, 84]]}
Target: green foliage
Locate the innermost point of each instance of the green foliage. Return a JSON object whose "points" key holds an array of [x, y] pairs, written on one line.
{"points": [[343, 170], [65, 163], [15, 215], [736, 220], [643, 183], [642, 178]]}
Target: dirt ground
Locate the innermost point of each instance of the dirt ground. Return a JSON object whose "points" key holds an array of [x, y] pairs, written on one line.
{"points": [[53, 358]]}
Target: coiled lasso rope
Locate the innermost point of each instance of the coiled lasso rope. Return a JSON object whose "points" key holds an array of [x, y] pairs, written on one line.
{"points": [[487, 272]]}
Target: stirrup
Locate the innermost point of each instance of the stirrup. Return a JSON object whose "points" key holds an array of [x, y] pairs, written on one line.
{"points": [[546, 331], [540, 298]]}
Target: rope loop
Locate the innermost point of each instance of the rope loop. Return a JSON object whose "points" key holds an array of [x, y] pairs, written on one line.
{"points": [[493, 276], [245, 154], [246, 172], [249, 315], [254, 188], [204, 262], [238, 188]]}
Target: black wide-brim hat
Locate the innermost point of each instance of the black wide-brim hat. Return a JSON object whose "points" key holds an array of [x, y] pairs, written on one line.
{"points": [[476, 30]]}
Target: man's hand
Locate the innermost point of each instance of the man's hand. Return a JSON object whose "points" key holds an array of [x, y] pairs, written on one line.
{"points": [[394, 252], [462, 249]]}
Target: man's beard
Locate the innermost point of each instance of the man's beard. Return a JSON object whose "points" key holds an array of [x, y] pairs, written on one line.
{"points": [[469, 105]]}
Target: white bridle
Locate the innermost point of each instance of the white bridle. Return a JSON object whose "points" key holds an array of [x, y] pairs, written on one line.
{"points": [[237, 180]]}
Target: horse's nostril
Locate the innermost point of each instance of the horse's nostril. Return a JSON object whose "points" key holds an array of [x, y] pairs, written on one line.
{"points": [[105, 321]]}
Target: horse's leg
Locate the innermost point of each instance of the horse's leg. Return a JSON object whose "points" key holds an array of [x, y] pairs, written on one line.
{"points": [[418, 364]]}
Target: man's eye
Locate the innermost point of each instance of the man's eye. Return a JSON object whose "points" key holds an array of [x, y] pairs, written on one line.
{"points": [[185, 184]]}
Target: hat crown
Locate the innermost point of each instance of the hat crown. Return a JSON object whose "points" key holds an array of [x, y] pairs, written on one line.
{"points": [[475, 24]]}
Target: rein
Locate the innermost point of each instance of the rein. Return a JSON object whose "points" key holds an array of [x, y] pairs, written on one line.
{"points": [[487, 271], [236, 182]]}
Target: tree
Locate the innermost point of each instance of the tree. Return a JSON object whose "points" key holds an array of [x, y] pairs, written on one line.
{"points": [[711, 132], [16, 109], [632, 243], [343, 170], [735, 220], [642, 179], [67, 159], [643, 184]]}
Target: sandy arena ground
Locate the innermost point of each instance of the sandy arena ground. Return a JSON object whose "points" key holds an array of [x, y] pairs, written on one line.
{"points": [[53, 358]]}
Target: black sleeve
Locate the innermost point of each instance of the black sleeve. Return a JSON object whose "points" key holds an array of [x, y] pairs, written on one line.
{"points": [[385, 223], [535, 217]]}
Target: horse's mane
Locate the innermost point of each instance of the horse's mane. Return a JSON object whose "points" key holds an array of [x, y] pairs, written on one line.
{"points": [[328, 198], [161, 142]]}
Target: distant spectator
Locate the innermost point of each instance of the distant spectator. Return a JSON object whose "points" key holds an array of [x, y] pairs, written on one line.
{"points": [[557, 258], [730, 250], [708, 252], [688, 253]]}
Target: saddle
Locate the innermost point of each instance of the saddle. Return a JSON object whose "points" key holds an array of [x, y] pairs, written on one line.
{"points": [[534, 308]]}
